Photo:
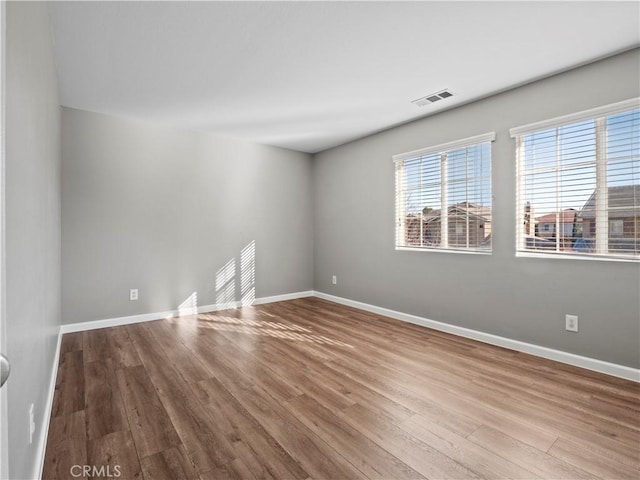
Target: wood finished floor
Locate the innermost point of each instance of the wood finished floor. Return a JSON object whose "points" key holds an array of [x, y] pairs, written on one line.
{"points": [[310, 389]]}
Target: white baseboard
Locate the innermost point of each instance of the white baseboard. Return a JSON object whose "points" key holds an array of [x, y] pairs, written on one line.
{"points": [[46, 417], [146, 317], [537, 350], [282, 298]]}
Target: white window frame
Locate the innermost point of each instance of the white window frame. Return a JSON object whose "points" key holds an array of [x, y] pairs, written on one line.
{"points": [[441, 149], [598, 115]]}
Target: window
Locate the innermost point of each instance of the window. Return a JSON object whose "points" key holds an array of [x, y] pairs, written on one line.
{"points": [[579, 184], [616, 228], [443, 196]]}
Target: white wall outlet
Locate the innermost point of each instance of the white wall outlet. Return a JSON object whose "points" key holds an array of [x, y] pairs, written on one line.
{"points": [[571, 323], [133, 294], [334, 280], [32, 424]]}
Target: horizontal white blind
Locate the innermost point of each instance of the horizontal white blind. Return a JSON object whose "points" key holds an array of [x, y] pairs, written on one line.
{"points": [[443, 198], [579, 187], [603, 111], [445, 147]]}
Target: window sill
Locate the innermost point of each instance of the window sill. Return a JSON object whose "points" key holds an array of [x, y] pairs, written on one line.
{"points": [[565, 256], [444, 250]]}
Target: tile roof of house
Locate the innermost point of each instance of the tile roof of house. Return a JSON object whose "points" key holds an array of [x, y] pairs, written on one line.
{"points": [[624, 202], [565, 216], [474, 210]]}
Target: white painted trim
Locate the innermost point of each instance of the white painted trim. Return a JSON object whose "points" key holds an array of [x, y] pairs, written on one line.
{"points": [[618, 107], [147, 317], [632, 259], [114, 322], [282, 298], [537, 350], [46, 417], [443, 147], [443, 250], [4, 412]]}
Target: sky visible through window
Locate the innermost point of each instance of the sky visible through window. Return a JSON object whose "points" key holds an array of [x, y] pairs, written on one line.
{"points": [[468, 179], [573, 149]]}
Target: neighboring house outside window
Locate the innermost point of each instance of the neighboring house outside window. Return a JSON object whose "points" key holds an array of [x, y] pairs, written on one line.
{"points": [[623, 212], [560, 227]]}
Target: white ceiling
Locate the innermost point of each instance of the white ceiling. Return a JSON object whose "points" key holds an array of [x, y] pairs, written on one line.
{"points": [[312, 75]]}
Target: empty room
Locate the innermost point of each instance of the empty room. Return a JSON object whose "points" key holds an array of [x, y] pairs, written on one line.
{"points": [[323, 240]]}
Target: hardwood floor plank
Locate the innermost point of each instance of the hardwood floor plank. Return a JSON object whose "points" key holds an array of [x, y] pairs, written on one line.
{"points": [[475, 457], [246, 434], [582, 455], [364, 454], [188, 366], [171, 464], [150, 425], [121, 350], [422, 397], [193, 329], [257, 467], [284, 371], [70, 342], [310, 452], [270, 454], [528, 457], [203, 441], [282, 389], [313, 454], [104, 409], [422, 457], [68, 447], [563, 415], [95, 345], [235, 470], [352, 390], [111, 451], [69, 390]]}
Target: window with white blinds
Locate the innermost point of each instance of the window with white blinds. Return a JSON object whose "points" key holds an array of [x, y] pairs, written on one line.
{"points": [[443, 196], [579, 184]]}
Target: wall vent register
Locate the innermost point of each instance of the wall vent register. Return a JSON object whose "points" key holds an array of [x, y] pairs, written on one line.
{"points": [[432, 98]]}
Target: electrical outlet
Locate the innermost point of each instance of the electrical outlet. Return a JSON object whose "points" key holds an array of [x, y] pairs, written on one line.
{"points": [[571, 323], [32, 424], [133, 294], [334, 280]]}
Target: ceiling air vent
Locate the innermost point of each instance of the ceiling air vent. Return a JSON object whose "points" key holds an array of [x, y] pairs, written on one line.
{"points": [[432, 98]]}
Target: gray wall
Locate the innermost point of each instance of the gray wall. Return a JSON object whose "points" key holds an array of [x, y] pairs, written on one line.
{"points": [[164, 210], [519, 298], [32, 197]]}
